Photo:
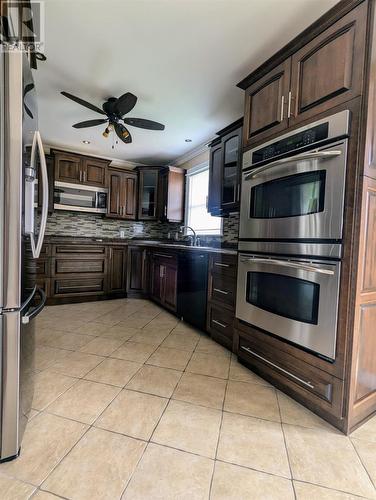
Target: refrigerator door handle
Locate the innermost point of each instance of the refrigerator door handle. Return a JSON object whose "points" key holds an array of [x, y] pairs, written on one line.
{"points": [[36, 248], [34, 311]]}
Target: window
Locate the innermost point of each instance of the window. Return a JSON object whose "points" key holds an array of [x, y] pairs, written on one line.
{"points": [[197, 215]]}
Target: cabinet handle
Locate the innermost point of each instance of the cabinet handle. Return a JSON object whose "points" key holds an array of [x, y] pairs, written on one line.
{"points": [[84, 176], [282, 108], [165, 210], [289, 113], [219, 264], [222, 325], [80, 175], [308, 384], [220, 291]]}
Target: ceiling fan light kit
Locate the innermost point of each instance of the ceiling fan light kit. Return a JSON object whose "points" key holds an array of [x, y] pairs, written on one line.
{"points": [[115, 109]]}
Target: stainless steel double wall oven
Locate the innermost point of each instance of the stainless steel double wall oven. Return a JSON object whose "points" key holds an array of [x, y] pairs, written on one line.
{"points": [[290, 237]]}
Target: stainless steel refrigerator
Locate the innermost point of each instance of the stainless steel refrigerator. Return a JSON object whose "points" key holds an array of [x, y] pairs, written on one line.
{"points": [[21, 237]]}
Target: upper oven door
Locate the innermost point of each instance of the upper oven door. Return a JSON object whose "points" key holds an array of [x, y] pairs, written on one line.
{"points": [[293, 299], [300, 197]]}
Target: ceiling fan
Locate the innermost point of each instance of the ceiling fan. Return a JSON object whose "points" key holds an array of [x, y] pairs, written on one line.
{"points": [[115, 109]]}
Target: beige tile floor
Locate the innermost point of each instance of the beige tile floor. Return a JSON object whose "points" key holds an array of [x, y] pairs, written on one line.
{"points": [[132, 404]]}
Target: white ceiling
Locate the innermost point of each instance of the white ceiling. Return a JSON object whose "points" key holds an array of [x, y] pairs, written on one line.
{"points": [[182, 58]]}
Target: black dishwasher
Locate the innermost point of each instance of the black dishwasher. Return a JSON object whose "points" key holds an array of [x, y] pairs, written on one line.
{"points": [[192, 287]]}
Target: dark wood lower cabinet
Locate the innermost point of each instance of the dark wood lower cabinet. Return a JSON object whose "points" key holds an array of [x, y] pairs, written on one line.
{"points": [[117, 270], [164, 277], [137, 274]]}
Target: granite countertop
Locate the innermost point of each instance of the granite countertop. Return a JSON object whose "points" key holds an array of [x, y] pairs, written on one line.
{"points": [[229, 249]]}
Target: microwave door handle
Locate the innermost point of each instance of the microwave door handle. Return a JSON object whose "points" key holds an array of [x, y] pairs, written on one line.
{"points": [[294, 265], [283, 161], [37, 247]]}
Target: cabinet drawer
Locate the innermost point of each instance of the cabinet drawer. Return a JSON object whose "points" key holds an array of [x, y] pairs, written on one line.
{"points": [[77, 286], [79, 250], [221, 321], [313, 384], [223, 264], [81, 266], [42, 268], [165, 258], [222, 289]]}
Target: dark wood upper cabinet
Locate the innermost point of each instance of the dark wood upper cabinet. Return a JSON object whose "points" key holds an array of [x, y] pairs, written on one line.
{"points": [[148, 193], [225, 170], [329, 70], [171, 194], [94, 172], [265, 108], [122, 194], [322, 72], [78, 169], [68, 168]]}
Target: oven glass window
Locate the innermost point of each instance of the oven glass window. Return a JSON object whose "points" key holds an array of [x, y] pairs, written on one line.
{"points": [[291, 196], [289, 297]]}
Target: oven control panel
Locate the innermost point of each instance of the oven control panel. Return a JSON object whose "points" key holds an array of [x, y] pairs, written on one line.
{"points": [[291, 143]]}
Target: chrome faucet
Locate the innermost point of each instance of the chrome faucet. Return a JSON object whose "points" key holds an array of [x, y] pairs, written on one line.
{"points": [[193, 236]]}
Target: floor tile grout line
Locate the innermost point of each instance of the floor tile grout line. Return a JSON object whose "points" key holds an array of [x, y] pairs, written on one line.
{"points": [[285, 443], [362, 463], [331, 489]]}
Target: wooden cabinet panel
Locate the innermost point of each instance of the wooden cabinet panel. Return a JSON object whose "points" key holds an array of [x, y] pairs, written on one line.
{"points": [[137, 272], [94, 172], [71, 287], [329, 70], [171, 194], [77, 266], [319, 390], [78, 249], [170, 286], [117, 270], [221, 325], [265, 110], [222, 290], [67, 168], [223, 264], [122, 195]]}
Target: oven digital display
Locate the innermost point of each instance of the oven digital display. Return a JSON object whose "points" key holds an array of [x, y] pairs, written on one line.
{"points": [[297, 141]]}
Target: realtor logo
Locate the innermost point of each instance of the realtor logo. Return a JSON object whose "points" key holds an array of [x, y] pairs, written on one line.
{"points": [[22, 26]]}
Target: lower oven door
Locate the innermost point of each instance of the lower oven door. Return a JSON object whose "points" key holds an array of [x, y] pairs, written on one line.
{"points": [[293, 299]]}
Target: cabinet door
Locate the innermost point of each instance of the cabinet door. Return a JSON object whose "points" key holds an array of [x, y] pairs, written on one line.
{"points": [[265, 110], [68, 168], [231, 167], [148, 194], [94, 172], [117, 270], [171, 195], [215, 180], [137, 281], [170, 277], [157, 273], [329, 70], [114, 184], [129, 196]]}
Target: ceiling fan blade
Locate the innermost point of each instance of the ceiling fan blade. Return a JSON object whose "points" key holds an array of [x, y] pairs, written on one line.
{"points": [[123, 133], [82, 102], [90, 123], [124, 104], [141, 123]]}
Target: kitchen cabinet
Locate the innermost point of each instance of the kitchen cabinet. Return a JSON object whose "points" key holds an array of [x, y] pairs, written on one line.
{"points": [[171, 194], [164, 276], [225, 170], [221, 299], [266, 103], [137, 272], [122, 194], [148, 193], [117, 269], [77, 169], [320, 74]]}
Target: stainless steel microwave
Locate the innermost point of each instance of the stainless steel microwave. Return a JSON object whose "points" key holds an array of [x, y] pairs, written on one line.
{"points": [[294, 190], [80, 198]]}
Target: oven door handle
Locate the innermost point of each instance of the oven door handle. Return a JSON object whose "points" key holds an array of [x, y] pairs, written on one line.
{"points": [[294, 265], [283, 161]]}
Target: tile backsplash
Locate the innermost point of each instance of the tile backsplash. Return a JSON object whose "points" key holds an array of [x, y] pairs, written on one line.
{"points": [[65, 223]]}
